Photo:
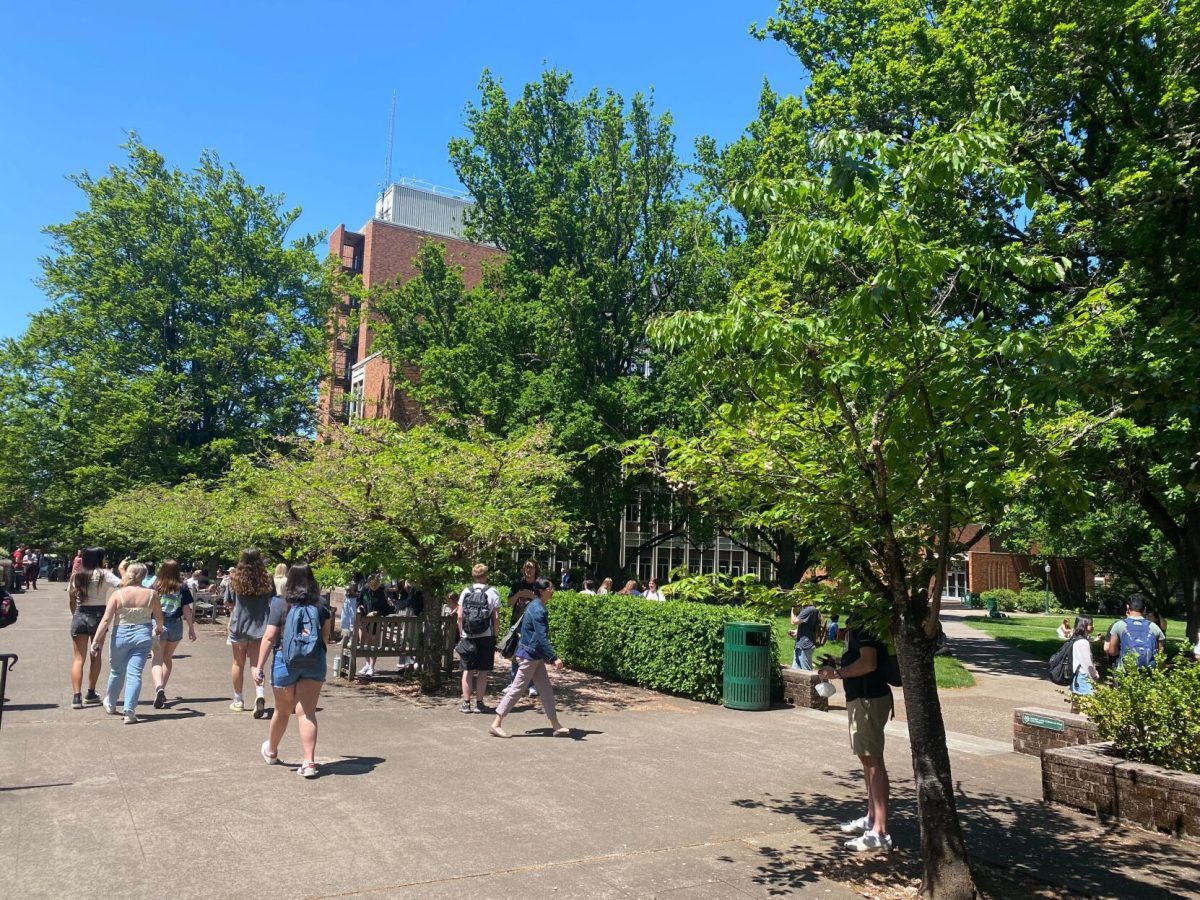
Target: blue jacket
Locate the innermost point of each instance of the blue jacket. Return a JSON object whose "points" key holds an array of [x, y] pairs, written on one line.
{"points": [[535, 639]]}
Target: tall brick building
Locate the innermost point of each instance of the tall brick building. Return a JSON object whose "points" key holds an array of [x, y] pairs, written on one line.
{"points": [[362, 383], [990, 564]]}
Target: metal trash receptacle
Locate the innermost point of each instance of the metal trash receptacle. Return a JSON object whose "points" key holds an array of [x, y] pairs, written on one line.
{"points": [[749, 655]]}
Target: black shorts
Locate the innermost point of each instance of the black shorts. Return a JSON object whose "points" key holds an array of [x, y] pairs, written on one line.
{"points": [[483, 658], [86, 620]]}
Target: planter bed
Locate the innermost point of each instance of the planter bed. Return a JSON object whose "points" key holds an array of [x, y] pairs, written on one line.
{"points": [[1094, 779]]}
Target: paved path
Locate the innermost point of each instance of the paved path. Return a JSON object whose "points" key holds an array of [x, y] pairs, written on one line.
{"points": [[663, 798]]}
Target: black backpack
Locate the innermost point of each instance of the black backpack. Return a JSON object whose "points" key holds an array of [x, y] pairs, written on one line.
{"points": [[891, 668], [476, 613], [1061, 667], [8, 609]]}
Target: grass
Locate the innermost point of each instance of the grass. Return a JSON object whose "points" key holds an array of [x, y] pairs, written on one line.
{"points": [[949, 672], [1037, 635]]}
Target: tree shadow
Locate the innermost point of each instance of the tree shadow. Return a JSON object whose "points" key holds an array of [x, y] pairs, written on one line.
{"points": [[27, 707], [352, 765], [1018, 846]]}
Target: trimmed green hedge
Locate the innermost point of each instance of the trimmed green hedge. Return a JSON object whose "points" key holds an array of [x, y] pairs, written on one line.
{"points": [[676, 647], [1029, 600]]}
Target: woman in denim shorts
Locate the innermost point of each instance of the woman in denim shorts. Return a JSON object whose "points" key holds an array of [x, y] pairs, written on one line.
{"points": [[296, 688], [176, 600], [88, 594], [252, 589]]}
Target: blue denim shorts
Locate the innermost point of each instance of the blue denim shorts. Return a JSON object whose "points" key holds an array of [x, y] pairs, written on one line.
{"points": [[172, 630], [282, 676]]}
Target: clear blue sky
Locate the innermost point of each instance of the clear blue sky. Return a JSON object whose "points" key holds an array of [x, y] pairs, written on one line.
{"points": [[296, 94]]}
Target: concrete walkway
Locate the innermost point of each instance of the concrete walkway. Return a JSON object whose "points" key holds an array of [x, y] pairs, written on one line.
{"points": [[664, 798]]}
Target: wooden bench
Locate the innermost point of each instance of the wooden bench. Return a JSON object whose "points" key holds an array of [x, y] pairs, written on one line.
{"points": [[206, 605], [397, 637]]}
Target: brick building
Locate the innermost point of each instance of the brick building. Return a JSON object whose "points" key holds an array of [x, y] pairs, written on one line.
{"points": [[990, 564], [362, 384]]}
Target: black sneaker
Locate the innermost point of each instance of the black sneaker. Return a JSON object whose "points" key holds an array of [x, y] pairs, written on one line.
{"points": [[76, 702], [91, 697], [160, 698], [479, 707], [465, 707]]}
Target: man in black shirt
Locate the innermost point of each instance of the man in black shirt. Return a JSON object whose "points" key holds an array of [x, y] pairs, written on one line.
{"points": [[868, 707], [520, 595], [805, 621]]}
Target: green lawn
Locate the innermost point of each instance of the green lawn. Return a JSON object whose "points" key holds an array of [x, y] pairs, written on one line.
{"points": [[1037, 635], [948, 670]]}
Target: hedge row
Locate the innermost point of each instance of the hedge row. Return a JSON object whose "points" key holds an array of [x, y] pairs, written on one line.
{"points": [[676, 647], [1029, 600]]}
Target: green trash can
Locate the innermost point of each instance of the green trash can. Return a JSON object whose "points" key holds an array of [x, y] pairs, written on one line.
{"points": [[748, 660]]}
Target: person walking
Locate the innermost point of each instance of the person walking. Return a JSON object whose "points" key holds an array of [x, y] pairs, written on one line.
{"points": [[868, 707], [1084, 668], [298, 629], [534, 651], [519, 597], [350, 601], [33, 568], [87, 596], [280, 578], [1136, 635], [374, 602], [131, 612], [252, 589], [176, 602], [478, 622]]}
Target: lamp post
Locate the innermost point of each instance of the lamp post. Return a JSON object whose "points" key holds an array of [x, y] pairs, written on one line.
{"points": [[1046, 587]]}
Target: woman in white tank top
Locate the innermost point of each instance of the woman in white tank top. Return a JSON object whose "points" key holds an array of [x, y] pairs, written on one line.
{"points": [[131, 613]]}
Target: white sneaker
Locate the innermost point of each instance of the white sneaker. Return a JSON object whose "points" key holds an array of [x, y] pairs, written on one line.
{"points": [[870, 842], [108, 707], [269, 758], [856, 826], [365, 670], [370, 673]]}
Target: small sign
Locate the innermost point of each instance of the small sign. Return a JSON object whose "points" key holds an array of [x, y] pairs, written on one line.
{"points": [[1043, 722]]}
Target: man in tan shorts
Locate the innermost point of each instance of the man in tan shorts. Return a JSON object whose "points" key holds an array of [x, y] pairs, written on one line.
{"points": [[868, 707]]}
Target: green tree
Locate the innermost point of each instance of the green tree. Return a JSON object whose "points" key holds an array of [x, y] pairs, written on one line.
{"points": [[585, 196], [1108, 126], [868, 404], [183, 328]]}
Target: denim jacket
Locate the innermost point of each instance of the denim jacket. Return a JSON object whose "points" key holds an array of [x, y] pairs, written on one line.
{"points": [[535, 640]]}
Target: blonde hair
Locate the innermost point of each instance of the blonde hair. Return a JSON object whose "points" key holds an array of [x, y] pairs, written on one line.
{"points": [[135, 574], [479, 571]]}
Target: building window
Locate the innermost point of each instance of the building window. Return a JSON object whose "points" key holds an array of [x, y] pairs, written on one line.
{"points": [[956, 579], [357, 392]]}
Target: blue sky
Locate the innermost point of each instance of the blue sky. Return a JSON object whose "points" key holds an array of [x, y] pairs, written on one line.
{"points": [[296, 94]]}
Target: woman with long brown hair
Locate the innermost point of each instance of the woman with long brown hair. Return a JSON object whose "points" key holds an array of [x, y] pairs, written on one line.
{"points": [[87, 596], [176, 601], [252, 588]]}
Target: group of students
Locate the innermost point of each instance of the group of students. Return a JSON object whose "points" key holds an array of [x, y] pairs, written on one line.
{"points": [[143, 616], [1139, 636], [631, 589]]}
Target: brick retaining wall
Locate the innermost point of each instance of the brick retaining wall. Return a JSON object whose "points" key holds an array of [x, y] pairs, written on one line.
{"points": [[799, 689], [1094, 779], [1032, 735]]}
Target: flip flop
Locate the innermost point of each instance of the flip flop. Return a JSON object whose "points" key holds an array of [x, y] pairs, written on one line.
{"points": [[496, 731]]}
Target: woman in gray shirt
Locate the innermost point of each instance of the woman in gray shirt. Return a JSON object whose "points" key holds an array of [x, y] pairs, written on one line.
{"points": [[252, 589]]}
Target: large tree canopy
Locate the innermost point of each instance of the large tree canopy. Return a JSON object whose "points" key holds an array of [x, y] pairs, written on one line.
{"points": [[183, 327], [1107, 127]]}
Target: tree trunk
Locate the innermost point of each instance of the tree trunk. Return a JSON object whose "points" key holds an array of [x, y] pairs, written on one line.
{"points": [[431, 663], [947, 873], [786, 564], [606, 558], [1189, 563]]}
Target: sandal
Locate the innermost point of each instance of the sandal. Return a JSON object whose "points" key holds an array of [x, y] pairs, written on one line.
{"points": [[497, 731]]}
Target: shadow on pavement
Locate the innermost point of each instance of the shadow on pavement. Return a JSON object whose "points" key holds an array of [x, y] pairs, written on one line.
{"points": [[352, 765], [26, 707], [183, 713], [1023, 845], [32, 787], [577, 734]]}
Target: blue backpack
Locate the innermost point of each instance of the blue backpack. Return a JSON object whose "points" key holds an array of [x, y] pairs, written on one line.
{"points": [[302, 643], [1136, 638]]}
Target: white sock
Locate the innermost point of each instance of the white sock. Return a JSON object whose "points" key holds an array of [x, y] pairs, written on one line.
{"points": [[258, 691], [237, 698]]}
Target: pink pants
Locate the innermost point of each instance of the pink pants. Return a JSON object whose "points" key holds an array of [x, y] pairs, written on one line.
{"points": [[529, 670]]}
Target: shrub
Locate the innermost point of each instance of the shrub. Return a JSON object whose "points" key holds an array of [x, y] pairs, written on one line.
{"points": [[677, 647], [1006, 598], [1032, 600], [1151, 715]]}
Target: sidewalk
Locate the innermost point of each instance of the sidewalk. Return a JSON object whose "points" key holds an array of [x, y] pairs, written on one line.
{"points": [[664, 798]]}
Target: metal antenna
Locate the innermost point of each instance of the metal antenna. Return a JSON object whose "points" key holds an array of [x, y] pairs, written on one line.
{"points": [[387, 160]]}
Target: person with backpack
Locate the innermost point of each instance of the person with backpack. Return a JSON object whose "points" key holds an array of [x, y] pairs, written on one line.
{"points": [[864, 670], [809, 632], [176, 602], [534, 651], [478, 622], [1135, 634], [1084, 673], [298, 628]]}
